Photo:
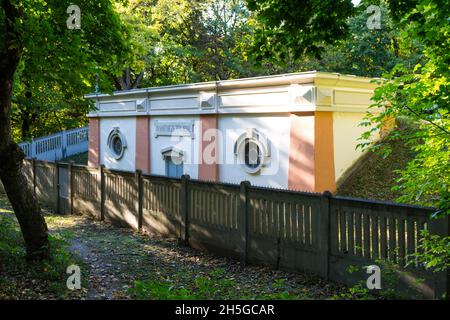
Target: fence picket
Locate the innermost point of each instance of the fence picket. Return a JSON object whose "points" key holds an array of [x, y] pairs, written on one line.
{"points": [[375, 237], [350, 232], [393, 239], [383, 238], [358, 234], [401, 241], [410, 238]]}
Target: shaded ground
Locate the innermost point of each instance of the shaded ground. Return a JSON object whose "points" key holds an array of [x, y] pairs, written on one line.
{"points": [[20, 280], [119, 264], [114, 258]]}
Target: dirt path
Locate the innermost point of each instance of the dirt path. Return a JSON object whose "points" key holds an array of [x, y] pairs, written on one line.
{"points": [[113, 258], [105, 253], [99, 268]]}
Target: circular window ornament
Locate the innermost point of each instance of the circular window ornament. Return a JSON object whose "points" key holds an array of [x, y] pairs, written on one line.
{"points": [[252, 151], [116, 144]]}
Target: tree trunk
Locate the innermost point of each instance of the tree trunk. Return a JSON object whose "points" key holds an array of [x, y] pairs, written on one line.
{"points": [[125, 82], [20, 195], [25, 126]]}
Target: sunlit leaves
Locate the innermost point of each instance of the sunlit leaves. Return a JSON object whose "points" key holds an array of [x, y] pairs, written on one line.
{"points": [[421, 94], [290, 29], [60, 65], [434, 251]]}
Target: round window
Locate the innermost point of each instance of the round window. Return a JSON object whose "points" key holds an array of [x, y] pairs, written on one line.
{"points": [[252, 151], [116, 144]]}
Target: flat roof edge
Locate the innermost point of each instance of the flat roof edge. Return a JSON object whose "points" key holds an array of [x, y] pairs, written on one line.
{"points": [[211, 85], [289, 78]]}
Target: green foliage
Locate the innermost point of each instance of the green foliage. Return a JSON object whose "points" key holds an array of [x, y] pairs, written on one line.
{"points": [[434, 251], [9, 231], [422, 95], [59, 65], [367, 52], [137, 43], [81, 158], [158, 291], [281, 292], [215, 285], [288, 30], [192, 41], [211, 287], [390, 278], [357, 292], [46, 277]]}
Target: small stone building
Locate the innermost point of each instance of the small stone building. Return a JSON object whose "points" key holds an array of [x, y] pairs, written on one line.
{"points": [[296, 131]]}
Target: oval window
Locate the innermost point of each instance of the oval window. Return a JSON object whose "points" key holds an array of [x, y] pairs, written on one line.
{"points": [[252, 151], [116, 144], [252, 155]]}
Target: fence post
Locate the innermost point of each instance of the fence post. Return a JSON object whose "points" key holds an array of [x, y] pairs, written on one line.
{"points": [[57, 188], [33, 164], [102, 192], [140, 202], [70, 187], [184, 209], [324, 233], [243, 218]]}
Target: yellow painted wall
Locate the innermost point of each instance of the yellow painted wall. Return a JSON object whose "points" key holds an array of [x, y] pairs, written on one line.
{"points": [[345, 136]]}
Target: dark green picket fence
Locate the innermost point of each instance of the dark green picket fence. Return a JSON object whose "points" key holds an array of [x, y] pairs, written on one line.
{"points": [[295, 231]]}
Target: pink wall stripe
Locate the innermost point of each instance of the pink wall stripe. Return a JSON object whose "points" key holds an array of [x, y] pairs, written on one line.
{"points": [[301, 153], [143, 144], [94, 142], [208, 165]]}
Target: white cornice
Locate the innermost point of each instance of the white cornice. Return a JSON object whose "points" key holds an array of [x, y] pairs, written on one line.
{"points": [[297, 92], [283, 79]]}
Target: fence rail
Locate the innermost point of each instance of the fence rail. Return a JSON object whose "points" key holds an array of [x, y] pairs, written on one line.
{"points": [[57, 146], [302, 232]]}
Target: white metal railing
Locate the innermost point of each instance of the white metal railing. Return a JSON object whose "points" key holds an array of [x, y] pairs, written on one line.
{"points": [[57, 146]]}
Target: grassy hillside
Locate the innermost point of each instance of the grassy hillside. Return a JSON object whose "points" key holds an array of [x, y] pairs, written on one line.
{"points": [[375, 177], [81, 158]]}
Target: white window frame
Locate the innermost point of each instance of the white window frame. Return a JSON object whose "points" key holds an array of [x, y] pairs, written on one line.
{"points": [[115, 133], [256, 137]]}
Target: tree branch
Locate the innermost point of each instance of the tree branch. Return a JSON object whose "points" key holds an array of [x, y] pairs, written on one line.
{"points": [[429, 121]]}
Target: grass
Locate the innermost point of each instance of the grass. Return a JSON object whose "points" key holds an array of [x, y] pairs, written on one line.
{"points": [[376, 177], [214, 285], [22, 280], [81, 158]]}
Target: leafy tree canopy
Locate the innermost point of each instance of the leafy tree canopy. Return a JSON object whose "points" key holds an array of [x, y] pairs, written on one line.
{"points": [[368, 52], [421, 95], [59, 65], [39, 53], [291, 29]]}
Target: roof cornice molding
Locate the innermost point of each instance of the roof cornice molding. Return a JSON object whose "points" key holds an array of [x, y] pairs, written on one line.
{"points": [[265, 81]]}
